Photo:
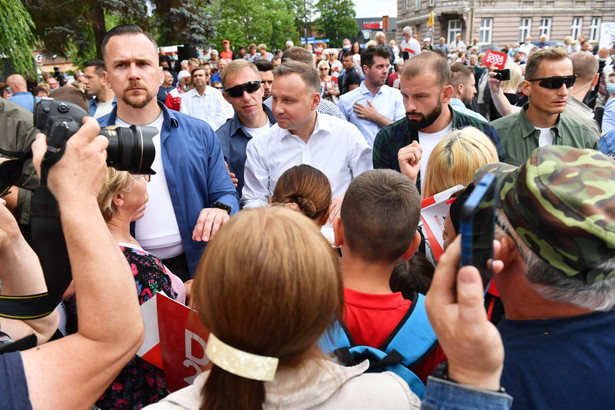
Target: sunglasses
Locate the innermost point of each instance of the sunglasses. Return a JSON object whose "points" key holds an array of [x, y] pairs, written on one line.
{"points": [[555, 83], [323, 69], [11, 170], [237, 91], [146, 177]]}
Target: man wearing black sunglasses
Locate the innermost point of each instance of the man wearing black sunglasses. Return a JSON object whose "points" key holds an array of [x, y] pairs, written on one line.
{"points": [[243, 90], [548, 81]]}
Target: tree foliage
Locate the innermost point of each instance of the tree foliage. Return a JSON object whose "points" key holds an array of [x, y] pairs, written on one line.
{"points": [[16, 38], [336, 20], [183, 21], [254, 21]]}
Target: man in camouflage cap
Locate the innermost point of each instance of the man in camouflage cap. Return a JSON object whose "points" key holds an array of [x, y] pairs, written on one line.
{"points": [[556, 226]]}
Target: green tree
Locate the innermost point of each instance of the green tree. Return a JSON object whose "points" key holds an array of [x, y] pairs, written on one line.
{"points": [[337, 20], [253, 21], [183, 21], [16, 38]]}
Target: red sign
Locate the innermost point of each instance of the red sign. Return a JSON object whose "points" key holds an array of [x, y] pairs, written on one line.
{"points": [[372, 25], [495, 59]]}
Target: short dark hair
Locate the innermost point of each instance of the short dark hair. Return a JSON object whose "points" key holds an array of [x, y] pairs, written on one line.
{"points": [[98, 64], [535, 60], [308, 73], [195, 69], [347, 53], [122, 30], [368, 54], [298, 54], [428, 61], [460, 73], [380, 214], [263, 65]]}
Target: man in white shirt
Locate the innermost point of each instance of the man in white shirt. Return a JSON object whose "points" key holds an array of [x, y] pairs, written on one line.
{"points": [[457, 45], [409, 46], [373, 105], [303, 136], [204, 102]]}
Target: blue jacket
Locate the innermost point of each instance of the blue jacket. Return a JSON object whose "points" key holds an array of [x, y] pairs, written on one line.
{"points": [[234, 142], [195, 172]]}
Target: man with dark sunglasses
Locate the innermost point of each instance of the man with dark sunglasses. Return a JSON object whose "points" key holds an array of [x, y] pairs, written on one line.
{"points": [[548, 81], [244, 91]]}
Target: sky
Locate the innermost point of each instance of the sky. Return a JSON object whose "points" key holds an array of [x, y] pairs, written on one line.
{"points": [[375, 8]]}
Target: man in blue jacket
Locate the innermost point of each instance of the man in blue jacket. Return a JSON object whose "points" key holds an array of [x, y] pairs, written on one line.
{"points": [[192, 194]]}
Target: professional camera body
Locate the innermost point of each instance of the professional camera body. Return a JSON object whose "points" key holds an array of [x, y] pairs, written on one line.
{"points": [[130, 149]]}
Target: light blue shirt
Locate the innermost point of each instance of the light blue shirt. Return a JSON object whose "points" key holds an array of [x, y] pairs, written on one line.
{"points": [[25, 99], [387, 102], [459, 106]]}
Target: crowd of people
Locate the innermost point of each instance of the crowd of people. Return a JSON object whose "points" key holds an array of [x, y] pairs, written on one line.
{"points": [[285, 207]]}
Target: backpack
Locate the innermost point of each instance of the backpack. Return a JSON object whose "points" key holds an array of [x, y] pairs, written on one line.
{"points": [[407, 346]]}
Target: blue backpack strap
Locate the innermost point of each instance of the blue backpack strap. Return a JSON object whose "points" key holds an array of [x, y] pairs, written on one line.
{"points": [[336, 337], [413, 337]]}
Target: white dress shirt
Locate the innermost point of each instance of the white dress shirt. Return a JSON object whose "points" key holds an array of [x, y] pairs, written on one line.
{"points": [[388, 102], [209, 107], [335, 147]]}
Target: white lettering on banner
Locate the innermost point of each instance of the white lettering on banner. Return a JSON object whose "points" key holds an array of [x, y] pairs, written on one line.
{"points": [[495, 59], [191, 360]]}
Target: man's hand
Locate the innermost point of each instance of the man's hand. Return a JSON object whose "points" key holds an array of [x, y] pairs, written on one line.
{"points": [[409, 158], [369, 113], [472, 344], [80, 173], [335, 208], [232, 175], [210, 220]]}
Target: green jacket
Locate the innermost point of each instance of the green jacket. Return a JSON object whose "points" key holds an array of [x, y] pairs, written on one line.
{"points": [[17, 133], [520, 137]]}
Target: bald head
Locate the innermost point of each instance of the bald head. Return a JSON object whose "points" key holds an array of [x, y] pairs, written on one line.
{"points": [[428, 62], [17, 83]]}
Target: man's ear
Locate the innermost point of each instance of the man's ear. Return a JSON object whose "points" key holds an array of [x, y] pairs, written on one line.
{"points": [[526, 87], [595, 80], [459, 90], [414, 245], [315, 101], [447, 94], [508, 251], [338, 231], [225, 97]]}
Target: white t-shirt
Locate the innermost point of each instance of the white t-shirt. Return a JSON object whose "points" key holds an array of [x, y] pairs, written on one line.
{"points": [[255, 132], [158, 231], [103, 108], [546, 138], [428, 142]]}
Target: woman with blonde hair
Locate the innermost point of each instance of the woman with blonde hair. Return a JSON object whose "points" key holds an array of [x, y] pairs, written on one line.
{"points": [[305, 189], [455, 159], [327, 83], [510, 88]]}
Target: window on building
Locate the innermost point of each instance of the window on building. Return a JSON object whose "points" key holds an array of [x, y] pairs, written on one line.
{"points": [[545, 27], [594, 28], [454, 28], [577, 26], [525, 28], [405, 2], [486, 27], [417, 4], [432, 3]]}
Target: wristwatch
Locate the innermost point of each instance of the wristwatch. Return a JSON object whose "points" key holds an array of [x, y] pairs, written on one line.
{"points": [[220, 205], [441, 372]]}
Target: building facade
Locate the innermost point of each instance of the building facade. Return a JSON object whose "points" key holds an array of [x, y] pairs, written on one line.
{"points": [[506, 22]]}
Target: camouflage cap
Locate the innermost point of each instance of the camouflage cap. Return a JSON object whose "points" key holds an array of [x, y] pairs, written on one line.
{"points": [[561, 203]]}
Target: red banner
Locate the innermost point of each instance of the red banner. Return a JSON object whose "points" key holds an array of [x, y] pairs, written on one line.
{"points": [[495, 59]]}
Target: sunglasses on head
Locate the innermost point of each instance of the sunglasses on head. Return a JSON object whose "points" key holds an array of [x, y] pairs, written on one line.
{"points": [[555, 83], [237, 91]]}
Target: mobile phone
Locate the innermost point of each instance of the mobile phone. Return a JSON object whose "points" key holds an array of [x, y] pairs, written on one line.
{"points": [[476, 225], [502, 75]]}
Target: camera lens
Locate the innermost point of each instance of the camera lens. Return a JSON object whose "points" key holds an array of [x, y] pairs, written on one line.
{"points": [[131, 149]]}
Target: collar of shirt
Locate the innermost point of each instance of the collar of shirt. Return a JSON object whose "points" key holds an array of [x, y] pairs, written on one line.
{"points": [[235, 125], [321, 125], [529, 130]]}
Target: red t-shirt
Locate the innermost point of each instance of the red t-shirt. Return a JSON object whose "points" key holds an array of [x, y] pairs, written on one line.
{"points": [[228, 54], [371, 318]]}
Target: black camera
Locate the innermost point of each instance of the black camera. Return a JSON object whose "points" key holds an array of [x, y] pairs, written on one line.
{"points": [[502, 75], [130, 149]]}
